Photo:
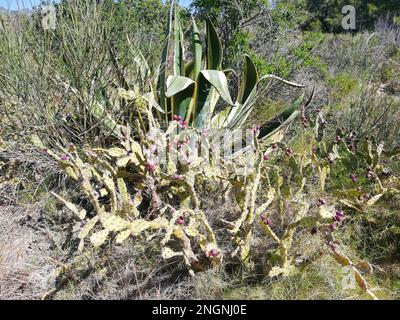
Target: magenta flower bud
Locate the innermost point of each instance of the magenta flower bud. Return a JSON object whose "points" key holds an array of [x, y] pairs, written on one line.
{"points": [[274, 146], [353, 178], [321, 202], [177, 118], [173, 210], [266, 157], [213, 253]]}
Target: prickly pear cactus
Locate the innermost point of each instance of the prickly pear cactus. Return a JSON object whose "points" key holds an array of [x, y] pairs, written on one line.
{"points": [[116, 180]]}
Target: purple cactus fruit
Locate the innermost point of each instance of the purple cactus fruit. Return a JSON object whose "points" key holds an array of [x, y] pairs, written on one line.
{"points": [[213, 253], [180, 221], [339, 213], [177, 118], [65, 158], [339, 216], [274, 146], [150, 167], [288, 152], [265, 219], [178, 177], [333, 226], [183, 124], [266, 157]]}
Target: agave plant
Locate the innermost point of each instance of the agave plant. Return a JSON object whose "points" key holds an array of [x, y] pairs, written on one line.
{"points": [[193, 91]]}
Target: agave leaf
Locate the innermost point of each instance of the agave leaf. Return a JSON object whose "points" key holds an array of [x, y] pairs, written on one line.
{"points": [[179, 64], [214, 47], [211, 85], [289, 83], [163, 65], [181, 90], [197, 51], [219, 81], [249, 80], [219, 120], [241, 112], [283, 119], [189, 70], [177, 84]]}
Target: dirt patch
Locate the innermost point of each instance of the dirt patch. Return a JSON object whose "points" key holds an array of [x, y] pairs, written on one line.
{"points": [[26, 270]]}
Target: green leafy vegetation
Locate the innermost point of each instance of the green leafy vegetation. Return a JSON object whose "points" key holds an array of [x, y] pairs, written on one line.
{"points": [[226, 150]]}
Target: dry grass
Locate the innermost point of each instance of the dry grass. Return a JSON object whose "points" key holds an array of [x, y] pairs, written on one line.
{"points": [[26, 268]]}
